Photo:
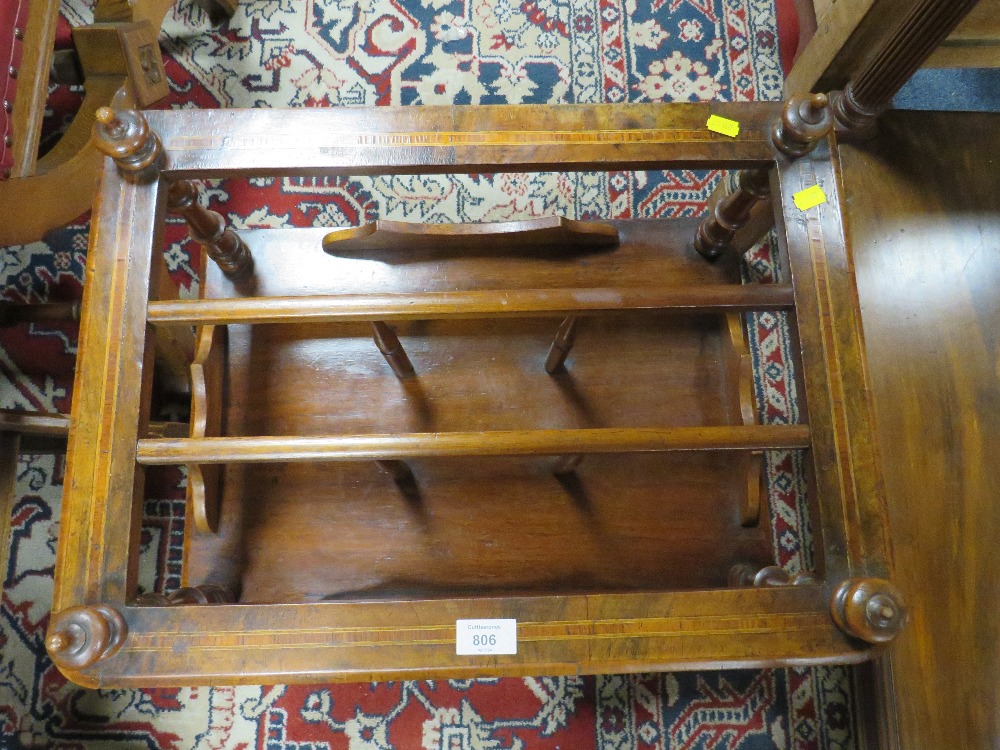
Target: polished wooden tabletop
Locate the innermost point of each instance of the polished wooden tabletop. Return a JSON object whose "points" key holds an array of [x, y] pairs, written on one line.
{"points": [[923, 205]]}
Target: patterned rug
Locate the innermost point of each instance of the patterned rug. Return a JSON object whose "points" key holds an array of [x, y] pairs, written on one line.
{"points": [[411, 52]]}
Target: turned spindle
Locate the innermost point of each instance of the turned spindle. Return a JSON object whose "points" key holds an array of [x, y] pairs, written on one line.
{"points": [[125, 137], [209, 229], [869, 93], [79, 637], [206, 593], [744, 576], [803, 123], [388, 343], [561, 347], [716, 233], [868, 608]]}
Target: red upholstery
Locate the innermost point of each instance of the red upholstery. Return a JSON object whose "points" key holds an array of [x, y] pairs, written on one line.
{"points": [[13, 17], [64, 33], [788, 32]]}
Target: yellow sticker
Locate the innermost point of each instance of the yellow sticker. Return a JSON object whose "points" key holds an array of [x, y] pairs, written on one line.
{"points": [[811, 196], [721, 125]]}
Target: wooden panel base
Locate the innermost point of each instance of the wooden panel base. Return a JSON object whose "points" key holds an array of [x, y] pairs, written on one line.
{"points": [[478, 526]]}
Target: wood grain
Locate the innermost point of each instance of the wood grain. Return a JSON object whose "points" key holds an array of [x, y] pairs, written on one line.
{"points": [[33, 85], [208, 375], [100, 521], [851, 500], [72, 164], [436, 139], [924, 222], [52, 191], [470, 304], [649, 249], [849, 34], [596, 588], [546, 233], [564, 635], [743, 410], [498, 443]]}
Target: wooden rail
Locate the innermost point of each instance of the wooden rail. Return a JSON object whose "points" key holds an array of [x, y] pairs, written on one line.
{"points": [[470, 304], [497, 443], [56, 426]]}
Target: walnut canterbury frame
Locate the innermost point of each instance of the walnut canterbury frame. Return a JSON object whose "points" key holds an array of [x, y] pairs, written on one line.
{"points": [[102, 634]]}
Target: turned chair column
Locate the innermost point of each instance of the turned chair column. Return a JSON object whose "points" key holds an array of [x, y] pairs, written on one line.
{"points": [[870, 92], [804, 122]]}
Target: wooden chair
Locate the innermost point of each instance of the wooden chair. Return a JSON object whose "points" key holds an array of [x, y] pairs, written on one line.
{"points": [[304, 562], [838, 39], [119, 57]]}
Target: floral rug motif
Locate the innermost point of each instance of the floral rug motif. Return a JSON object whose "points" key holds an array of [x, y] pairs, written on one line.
{"points": [[278, 53]]}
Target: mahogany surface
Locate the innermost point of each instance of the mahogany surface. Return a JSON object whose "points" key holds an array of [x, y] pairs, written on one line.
{"points": [[546, 233], [922, 200], [479, 525]]}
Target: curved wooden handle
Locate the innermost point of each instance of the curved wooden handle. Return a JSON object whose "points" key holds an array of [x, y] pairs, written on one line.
{"points": [[544, 233]]}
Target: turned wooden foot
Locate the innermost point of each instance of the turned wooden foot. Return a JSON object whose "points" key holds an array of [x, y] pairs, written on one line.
{"points": [[804, 122], [868, 608], [81, 636]]}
